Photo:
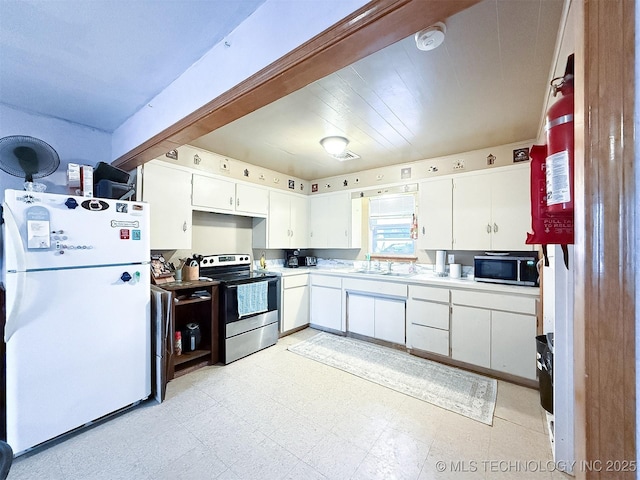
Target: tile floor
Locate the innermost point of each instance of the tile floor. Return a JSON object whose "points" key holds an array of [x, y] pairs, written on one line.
{"points": [[277, 415]]}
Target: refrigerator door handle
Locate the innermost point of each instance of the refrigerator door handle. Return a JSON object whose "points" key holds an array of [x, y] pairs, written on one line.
{"points": [[14, 295]]}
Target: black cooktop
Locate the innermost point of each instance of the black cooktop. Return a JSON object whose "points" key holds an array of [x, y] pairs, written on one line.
{"points": [[241, 277]]}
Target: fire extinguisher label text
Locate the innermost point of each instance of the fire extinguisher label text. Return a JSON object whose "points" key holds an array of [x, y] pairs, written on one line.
{"points": [[558, 188]]}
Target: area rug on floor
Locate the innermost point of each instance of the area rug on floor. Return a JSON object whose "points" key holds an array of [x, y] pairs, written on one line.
{"points": [[462, 392]]}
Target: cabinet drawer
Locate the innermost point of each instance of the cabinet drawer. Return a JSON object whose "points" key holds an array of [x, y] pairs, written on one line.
{"points": [[375, 288], [429, 339], [428, 314], [326, 281], [295, 281], [492, 301], [429, 293]]}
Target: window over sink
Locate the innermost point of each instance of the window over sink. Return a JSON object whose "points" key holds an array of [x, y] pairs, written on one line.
{"points": [[392, 224]]}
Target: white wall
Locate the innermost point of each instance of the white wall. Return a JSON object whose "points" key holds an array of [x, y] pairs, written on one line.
{"points": [[273, 30], [74, 144]]}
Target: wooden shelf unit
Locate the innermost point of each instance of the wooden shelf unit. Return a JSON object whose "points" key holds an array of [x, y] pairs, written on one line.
{"points": [[203, 310]]}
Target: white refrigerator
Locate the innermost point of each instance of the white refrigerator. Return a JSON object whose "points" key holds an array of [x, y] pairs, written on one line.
{"points": [[76, 274]]}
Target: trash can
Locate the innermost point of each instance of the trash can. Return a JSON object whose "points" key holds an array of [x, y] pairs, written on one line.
{"points": [[544, 363]]}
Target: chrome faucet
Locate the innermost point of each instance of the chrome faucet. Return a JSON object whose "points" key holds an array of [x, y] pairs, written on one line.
{"points": [[389, 264]]}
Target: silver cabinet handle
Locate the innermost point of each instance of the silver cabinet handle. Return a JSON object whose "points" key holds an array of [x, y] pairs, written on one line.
{"points": [[488, 228], [423, 230], [495, 228], [230, 200], [237, 202], [184, 226]]}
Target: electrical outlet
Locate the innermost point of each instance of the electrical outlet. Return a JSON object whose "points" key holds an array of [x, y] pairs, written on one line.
{"points": [[224, 165], [458, 164], [451, 258]]}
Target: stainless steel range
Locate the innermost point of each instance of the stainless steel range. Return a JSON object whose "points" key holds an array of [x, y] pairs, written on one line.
{"points": [[248, 304]]}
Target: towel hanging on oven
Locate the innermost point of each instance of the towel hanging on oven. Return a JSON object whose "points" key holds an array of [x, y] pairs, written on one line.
{"points": [[252, 298]]}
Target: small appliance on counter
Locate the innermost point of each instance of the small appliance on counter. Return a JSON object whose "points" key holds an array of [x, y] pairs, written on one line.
{"points": [[309, 261], [512, 268], [440, 268], [191, 337], [292, 258]]}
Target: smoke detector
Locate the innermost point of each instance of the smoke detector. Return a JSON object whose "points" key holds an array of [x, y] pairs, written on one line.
{"points": [[431, 37]]}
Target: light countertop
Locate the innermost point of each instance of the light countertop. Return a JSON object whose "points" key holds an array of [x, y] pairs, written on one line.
{"points": [[420, 278]]}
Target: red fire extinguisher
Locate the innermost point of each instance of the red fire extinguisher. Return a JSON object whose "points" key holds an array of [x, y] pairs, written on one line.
{"points": [[559, 161], [552, 191]]}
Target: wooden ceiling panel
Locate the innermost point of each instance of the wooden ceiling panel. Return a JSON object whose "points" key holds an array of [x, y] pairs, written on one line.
{"points": [[484, 86]]}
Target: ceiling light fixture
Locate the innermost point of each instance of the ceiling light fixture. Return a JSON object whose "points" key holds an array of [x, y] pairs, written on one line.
{"points": [[431, 37], [334, 145]]}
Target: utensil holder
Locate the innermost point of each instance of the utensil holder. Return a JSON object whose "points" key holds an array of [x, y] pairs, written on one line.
{"points": [[190, 273]]}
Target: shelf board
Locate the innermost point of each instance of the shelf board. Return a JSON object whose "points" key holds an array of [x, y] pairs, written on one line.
{"points": [[186, 357], [189, 300]]}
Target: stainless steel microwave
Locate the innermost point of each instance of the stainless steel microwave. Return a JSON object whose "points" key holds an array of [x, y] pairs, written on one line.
{"points": [[512, 269]]}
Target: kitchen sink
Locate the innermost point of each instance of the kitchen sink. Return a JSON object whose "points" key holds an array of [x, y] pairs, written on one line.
{"points": [[383, 273]]}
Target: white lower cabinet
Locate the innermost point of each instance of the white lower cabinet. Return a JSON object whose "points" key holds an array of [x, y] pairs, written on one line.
{"points": [[389, 321], [361, 312], [326, 302], [376, 317], [471, 335], [513, 343], [295, 302], [495, 331], [428, 319], [376, 309]]}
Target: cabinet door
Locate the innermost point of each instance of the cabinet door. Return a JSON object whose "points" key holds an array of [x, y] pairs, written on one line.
{"points": [[318, 222], [471, 335], [429, 314], [299, 221], [279, 231], [326, 307], [435, 215], [513, 346], [390, 320], [472, 213], [168, 191], [295, 307], [428, 339], [213, 193], [360, 314], [339, 224], [510, 210], [252, 200]]}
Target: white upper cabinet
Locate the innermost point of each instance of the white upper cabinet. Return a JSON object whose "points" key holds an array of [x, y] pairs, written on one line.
{"points": [[252, 200], [167, 189], [219, 195], [491, 211], [330, 221], [213, 193], [435, 214], [286, 226]]}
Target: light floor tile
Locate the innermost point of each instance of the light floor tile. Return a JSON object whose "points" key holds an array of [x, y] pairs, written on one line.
{"points": [[335, 458], [276, 414], [520, 406]]}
